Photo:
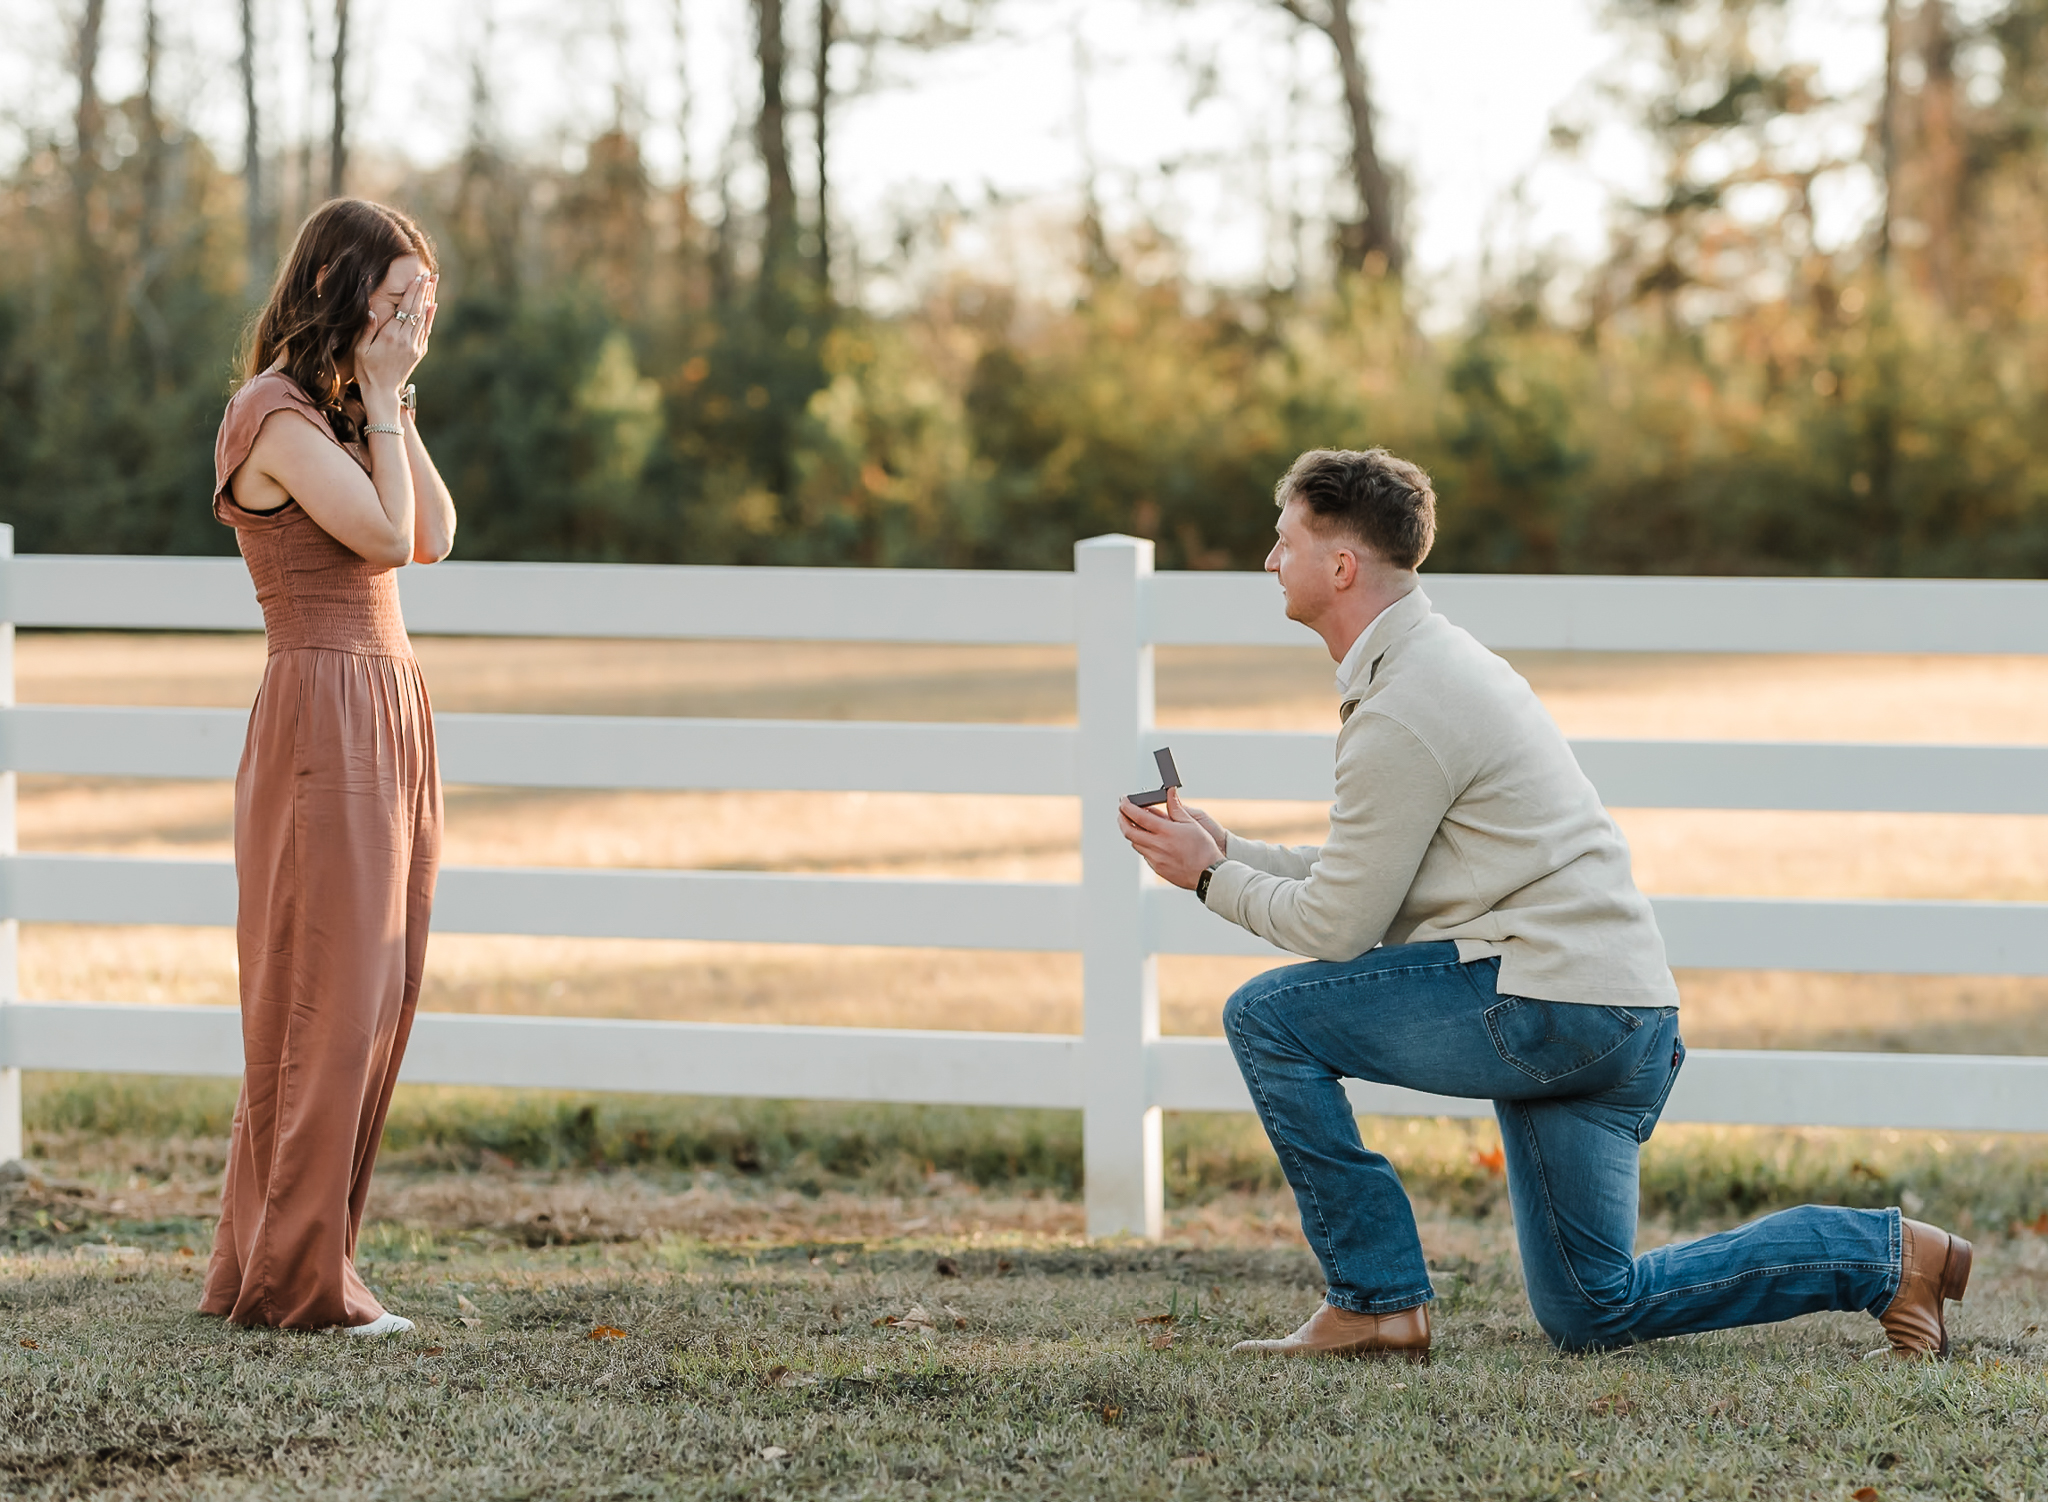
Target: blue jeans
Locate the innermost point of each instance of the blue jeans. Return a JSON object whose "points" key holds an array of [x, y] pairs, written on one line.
{"points": [[1578, 1089]]}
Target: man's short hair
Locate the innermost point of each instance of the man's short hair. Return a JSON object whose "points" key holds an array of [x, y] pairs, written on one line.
{"points": [[1379, 500]]}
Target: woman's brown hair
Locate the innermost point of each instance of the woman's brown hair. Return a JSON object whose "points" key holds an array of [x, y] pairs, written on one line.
{"points": [[312, 320]]}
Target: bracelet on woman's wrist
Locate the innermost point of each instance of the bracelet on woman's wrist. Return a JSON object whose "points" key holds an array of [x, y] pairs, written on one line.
{"points": [[383, 427]]}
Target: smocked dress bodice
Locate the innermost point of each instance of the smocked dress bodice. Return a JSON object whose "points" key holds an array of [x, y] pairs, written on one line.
{"points": [[315, 592]]}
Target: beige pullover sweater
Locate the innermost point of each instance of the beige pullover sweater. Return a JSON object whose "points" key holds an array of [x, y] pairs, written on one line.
{"points": [[1460, 815]]}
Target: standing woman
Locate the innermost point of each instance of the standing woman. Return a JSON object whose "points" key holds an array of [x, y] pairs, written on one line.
{"points": [[322, 473]]}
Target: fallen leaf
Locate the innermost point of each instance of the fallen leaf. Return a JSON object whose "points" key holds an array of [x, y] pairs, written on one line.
{"points": [[1110, 1413], [1864, 1494], [607, 1332], [29, 1344], [959, 1319], [1613, 1404], [1163, 1341], [1156, 1319], [186, 1251], [463, 1304], [1494, 1160], [946, 1267], [1398, 1387], [1003, 1265], [774, 1452], [775, 1376], [432, 1351], [2030, 1330], [471, 1322]]}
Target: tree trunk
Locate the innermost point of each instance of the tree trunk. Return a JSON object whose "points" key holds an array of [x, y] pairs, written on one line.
{"points": [[1939, 145], [1378, 234], [255, 220], [1375, 239], [821, 97], [771, 139], [1887, 133], [86, 127], [305, 186], [337, 143]]}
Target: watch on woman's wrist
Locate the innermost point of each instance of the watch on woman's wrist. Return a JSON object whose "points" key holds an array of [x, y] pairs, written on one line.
{"points": [[409, 397], [1202, 881]]}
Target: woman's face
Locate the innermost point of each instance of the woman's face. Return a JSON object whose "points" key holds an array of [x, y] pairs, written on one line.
{"points": [[390, 294]]}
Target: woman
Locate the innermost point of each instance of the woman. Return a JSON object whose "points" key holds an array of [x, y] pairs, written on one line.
{"points": [[323, 475]]}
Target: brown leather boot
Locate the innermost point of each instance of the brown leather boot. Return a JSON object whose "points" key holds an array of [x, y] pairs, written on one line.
{"points": [[1331, 1331], [1933, 1266]]}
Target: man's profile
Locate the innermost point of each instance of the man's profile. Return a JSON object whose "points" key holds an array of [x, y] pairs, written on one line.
{"points": [[1475, 930]]}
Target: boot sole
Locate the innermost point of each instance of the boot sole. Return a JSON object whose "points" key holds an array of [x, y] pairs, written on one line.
{"points": [[1337, 1353]]}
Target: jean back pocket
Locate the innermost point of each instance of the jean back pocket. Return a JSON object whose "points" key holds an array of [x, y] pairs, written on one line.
{"points": [[1548, 1040]]}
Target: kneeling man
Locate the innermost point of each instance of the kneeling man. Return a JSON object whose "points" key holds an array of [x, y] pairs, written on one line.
{"points": [[1477, 932]]}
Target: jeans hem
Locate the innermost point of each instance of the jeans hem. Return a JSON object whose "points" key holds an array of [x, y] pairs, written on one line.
{"points": [[1392, 1304], [1896, 1218]]}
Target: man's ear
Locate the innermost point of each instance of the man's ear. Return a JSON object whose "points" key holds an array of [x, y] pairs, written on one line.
{"points": [[1348, 566]]}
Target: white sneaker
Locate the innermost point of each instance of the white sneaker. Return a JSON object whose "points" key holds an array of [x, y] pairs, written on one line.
{"points": [[384, 1324]]}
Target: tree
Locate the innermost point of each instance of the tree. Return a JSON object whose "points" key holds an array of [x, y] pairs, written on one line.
{"points": [[87, 120], [821, 98], [1375, 238], [771, 139], [254, 216], [337, 142]]}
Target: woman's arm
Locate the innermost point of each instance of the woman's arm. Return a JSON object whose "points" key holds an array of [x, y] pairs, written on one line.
{"points": [[372, 515], [293, 460], [434, 518]]}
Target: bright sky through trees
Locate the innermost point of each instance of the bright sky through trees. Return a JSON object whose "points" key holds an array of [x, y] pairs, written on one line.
{"points": [[1224, 95]]}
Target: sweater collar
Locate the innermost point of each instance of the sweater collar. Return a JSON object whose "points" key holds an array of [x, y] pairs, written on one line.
{"points": [[1355, 673]]}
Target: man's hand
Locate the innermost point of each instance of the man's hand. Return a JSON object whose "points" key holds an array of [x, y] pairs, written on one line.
{"points": [[1173, 843]]}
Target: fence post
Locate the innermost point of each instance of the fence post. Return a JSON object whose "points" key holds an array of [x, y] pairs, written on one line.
{"points": [[1120, 1148], [10, 977]]}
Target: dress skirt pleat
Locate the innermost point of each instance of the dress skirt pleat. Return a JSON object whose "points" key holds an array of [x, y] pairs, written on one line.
{"points": [[337, 839]]}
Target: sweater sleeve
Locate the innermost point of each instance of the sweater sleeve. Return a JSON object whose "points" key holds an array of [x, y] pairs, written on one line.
{"points": [[1392, 796], [1292, 861]]}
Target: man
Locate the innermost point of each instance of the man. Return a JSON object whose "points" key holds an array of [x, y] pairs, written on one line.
{"points": [[1475, 931]]}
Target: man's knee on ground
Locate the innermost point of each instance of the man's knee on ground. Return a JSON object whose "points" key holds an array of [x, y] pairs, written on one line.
{"points": [[1595, 1320]]}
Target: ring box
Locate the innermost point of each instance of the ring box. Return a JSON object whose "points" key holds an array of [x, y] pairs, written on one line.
{"points": [[1168, 778]]}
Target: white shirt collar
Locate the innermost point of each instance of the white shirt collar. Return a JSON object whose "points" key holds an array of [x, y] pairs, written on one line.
{"points": [[1354, 659]]}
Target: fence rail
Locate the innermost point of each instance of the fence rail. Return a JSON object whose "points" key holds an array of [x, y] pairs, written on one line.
{"points": [[1111, 610]]}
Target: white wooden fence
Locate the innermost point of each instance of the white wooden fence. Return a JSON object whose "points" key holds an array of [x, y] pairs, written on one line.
{"points": [[1113, 609]]}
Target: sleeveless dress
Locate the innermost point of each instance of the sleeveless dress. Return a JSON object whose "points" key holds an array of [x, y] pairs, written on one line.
{"points": [[337, 839]]}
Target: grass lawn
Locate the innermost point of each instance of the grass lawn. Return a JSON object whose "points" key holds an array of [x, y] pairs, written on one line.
{"points": [[748, 1250], [1019, 1367]]}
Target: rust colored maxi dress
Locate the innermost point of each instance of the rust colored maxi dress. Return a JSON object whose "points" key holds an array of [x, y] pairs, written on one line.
{"points": [[337, 838]]}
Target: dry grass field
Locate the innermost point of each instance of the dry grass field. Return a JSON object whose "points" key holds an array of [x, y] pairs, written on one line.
{"points": [[1873, 855]]}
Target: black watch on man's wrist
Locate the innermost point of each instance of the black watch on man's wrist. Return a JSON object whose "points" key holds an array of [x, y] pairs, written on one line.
{"points": [[1202, 881]]}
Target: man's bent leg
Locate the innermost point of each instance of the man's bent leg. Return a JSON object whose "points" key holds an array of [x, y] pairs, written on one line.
{"points": [[1353, 1210], [1573, 1175]]}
